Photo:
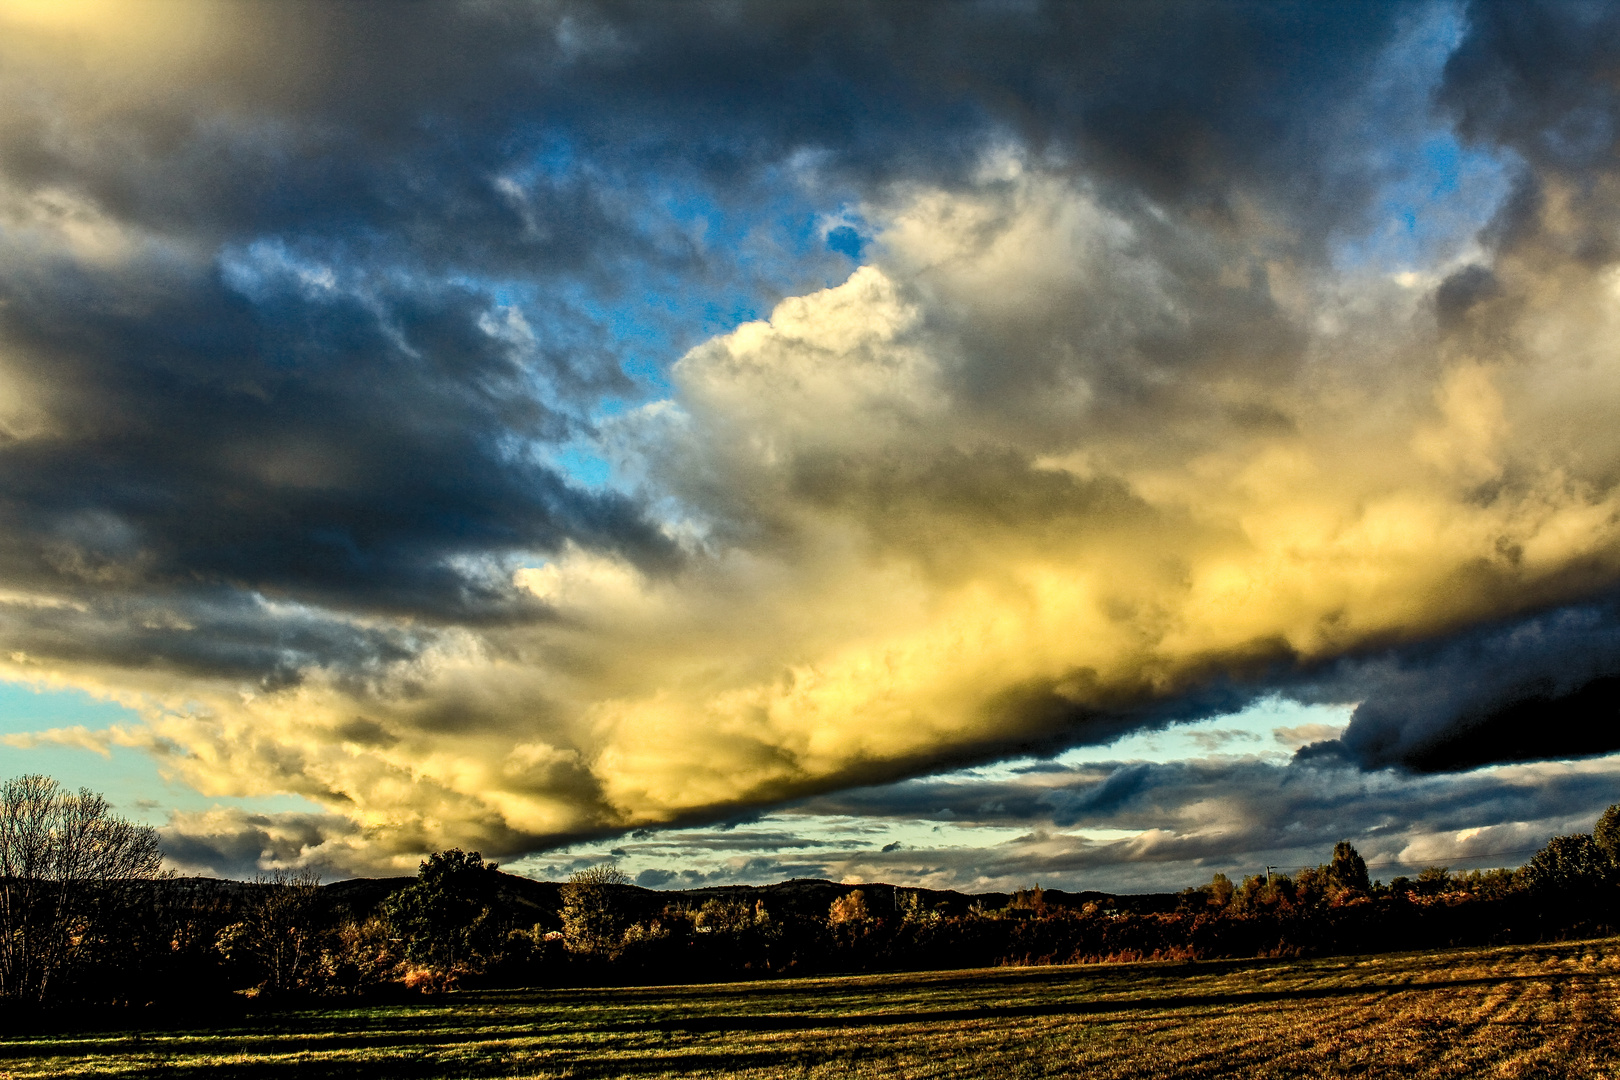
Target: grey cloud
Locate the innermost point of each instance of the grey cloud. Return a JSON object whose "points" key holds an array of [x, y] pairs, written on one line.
{"points": [[1536, 81], [1532, 76], [1191, 819], [221, 422], [1268, 802], [1121, 787], [357, 443], [1460, 291], [310, 448], [242, 844], [749, 841], [1540, 687], [372, 123], [1544, 687], [227, 841]]}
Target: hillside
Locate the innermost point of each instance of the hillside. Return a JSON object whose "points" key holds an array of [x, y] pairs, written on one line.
{"points": [[528, 901]]}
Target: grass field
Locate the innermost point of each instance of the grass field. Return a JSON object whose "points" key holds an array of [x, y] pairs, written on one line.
{"points": [[1532, 1011]]}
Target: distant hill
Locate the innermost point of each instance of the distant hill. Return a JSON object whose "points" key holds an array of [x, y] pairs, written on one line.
{"points": [[530, 901]]}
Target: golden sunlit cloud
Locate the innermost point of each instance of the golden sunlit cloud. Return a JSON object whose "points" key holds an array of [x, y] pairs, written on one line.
{"points": [[1067, 445], [884, 572]]}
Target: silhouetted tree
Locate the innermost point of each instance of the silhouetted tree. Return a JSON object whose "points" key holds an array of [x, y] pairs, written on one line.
{"points": [[66, 862], [1348, 870], [278, 935], [363, 956], [1606, 833], [1572, 867], [913, 911], [1030, 900], [446, 918], [1434, 880], [1314, 885], [1258, 893], [1487, 884]]}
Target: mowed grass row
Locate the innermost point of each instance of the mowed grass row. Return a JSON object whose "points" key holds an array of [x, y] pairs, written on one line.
{"points": [[1529, 1011]]}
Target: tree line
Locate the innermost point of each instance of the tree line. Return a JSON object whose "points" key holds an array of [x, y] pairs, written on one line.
{"points": [[88, 918]]}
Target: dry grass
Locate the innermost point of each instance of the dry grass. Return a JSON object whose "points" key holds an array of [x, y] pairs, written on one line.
{"points": [[1537, 1011]]}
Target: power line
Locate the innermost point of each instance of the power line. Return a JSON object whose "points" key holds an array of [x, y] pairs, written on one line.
{"points": [[1469, 855], [1379, 864]]}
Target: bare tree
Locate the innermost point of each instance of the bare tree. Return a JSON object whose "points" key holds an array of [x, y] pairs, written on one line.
{"points": [[278, 934], [61, 854]]}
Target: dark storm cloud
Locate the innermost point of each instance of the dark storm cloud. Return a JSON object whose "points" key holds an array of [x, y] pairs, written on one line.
{"points": [[1539, 81], [1538, 688], [388, 126], [301, 445], [320, 408], [1545, 687], [1223, 807], [1539, 78], [1183, 100]]}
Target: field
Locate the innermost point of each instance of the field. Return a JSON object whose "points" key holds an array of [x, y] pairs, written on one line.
{"points": [[1530, 1011]]}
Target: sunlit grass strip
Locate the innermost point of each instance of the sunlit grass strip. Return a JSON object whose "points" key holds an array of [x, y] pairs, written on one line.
{"points": [[1513, 1012]]}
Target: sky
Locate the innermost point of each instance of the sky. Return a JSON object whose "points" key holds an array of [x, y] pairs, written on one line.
{"points": [[962, 445]]}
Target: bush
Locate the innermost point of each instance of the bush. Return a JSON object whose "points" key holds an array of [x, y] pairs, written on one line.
{"points": [[593, 921]]}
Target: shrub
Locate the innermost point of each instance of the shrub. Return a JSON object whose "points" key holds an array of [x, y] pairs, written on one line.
{"points": [[593, 921], [849, 909]]}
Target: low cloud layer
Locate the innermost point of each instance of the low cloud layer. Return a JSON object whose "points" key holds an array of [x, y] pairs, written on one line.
{"points": [[1124, 825], [505, 424]]}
